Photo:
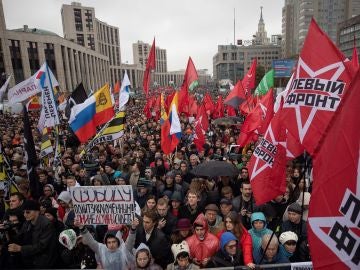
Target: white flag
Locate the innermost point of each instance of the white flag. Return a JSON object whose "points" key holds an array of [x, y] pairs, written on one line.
{"points": [[4, 87], [124, 92]]}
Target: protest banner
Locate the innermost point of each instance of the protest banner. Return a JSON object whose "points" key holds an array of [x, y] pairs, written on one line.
{"points": [[302, 266], [103, 204]]}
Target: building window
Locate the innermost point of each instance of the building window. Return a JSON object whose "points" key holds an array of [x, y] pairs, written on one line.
{"points": [[33, 57], [89, 20], [16, 60], [91, 42], [50, 56], [78, 20], [80, 39], [116, 37], [225, 56]]}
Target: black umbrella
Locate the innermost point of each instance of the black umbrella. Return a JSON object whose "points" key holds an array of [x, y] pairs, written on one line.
{"points": [[227, 121], [215, 168]]}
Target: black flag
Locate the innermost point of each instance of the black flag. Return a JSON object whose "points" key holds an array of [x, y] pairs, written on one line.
{"points": [[31, 158], [78, 96]]}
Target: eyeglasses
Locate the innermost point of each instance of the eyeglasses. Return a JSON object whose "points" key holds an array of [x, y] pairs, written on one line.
{"points": [[290, 243], [231, 246], [27, 211]]}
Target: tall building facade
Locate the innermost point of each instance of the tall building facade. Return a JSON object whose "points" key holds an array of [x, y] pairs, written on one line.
{"points": [[141, 52], [349, 35], [82, 27], [24, 50], [297, 14], [232, 61]]}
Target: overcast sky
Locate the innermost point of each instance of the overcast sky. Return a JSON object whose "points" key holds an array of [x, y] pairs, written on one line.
{"points": [[183, 27]]}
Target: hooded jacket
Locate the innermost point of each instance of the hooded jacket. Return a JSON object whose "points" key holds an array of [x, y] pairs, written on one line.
{"points": [[245, 243], [222, 258], [256, 235], [152, 265], [121, 258], [206, 248]]}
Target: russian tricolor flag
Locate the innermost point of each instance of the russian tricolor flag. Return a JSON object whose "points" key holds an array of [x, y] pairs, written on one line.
{"points": [[94, 111]]}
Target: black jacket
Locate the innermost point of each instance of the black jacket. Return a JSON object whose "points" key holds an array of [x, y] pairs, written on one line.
{"points": [[39, 243], [221, 259], [158, 244]]}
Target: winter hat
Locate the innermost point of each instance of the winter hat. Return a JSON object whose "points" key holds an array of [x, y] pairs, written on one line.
{"points": [[52, 211], [295, 207], [176, 196], [68, 239], [183, 224], [117, 174], [65, 196], [212, 207], [225, 238], [31, 205], [225, 201], [51, 187], [180, 248], [288, 236]]}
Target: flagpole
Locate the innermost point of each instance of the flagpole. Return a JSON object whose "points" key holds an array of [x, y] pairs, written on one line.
{"points": [[100, 131]]}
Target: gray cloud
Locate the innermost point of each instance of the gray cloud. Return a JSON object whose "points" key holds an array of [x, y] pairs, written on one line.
{"points": [[184, 27]]}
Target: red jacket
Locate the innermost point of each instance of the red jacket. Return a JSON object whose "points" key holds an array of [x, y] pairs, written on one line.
{"points": [[202, 249], [245, 244]]}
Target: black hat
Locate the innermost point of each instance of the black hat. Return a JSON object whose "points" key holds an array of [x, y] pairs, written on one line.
{"points": [[52, 211], [295, 207], [225, 201], [31, 205]]}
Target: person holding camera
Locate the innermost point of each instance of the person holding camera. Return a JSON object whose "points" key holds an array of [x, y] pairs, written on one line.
{"points": [[9, 234], [37, 237]]}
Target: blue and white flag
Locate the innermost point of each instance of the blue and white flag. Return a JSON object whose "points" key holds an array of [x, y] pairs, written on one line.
{"points": [[47, 82], [124, 92]]}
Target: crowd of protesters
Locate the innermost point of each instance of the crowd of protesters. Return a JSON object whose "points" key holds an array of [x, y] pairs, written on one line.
{"points": [[183, 222]]}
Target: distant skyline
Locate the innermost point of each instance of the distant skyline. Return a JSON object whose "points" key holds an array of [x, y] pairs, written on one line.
{"points": [[184, 28]]}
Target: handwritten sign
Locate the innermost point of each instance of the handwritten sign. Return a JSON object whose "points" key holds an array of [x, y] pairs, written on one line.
{"points": [[103, 204]]}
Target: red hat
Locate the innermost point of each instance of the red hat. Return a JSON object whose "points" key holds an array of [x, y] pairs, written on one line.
{"points": [[183, 224]]}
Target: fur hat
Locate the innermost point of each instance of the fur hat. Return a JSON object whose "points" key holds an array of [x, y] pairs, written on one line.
{"points": [[288, 236], [180, 248]]}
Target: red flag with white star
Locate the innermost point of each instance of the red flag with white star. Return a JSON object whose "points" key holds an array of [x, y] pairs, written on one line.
{"points": [[268, 162], [320, 80], [334, 220]]}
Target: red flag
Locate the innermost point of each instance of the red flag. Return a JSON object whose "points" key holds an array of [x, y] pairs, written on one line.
{"points": [[258, 120], [355, 58], [201, 126], [267, 164], [147, 108], [247, 106], [248, 81], [190, 82], [230, 111], [193, 107], [116, 88], [335, 201], [219, 108], [168, 100], [236, 96], [150, 65], [209, 104], [320, 80], [156, 107]]}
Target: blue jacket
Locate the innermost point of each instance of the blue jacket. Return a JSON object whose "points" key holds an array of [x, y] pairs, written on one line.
{"points": [[255, 234]]}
